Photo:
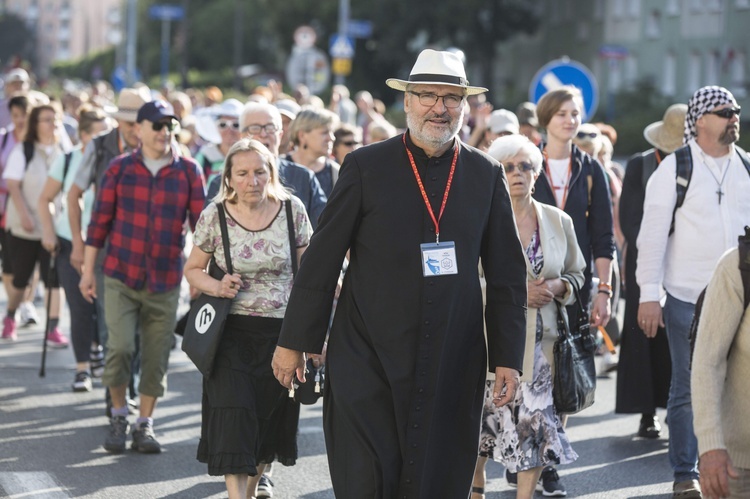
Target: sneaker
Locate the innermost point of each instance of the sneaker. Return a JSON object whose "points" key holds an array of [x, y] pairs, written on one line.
{"points": [[56, 339], [144, 440], [549, 483], [512, 479], [688, 489], [28, 315], [265, 487], [118, 433], [82, 382], [96, 361], [9, 329]]}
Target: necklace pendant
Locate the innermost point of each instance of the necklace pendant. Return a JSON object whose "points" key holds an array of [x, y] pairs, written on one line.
{"points": [[719, 193]]}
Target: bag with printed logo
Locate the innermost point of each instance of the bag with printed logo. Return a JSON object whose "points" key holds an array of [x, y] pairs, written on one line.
{"points": [[208, 313]]}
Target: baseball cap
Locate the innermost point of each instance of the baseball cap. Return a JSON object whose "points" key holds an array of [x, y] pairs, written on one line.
{"points": [[503, 121], [17, 74], [288, 108], [156, 110]]}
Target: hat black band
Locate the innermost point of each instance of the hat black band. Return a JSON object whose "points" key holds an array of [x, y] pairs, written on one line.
{"points": [[438, 78]]}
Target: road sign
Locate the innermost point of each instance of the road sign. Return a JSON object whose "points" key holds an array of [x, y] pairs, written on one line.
{"points": [[613, 52], [342, 67], [309, 67], [359, 28], [166, 12], [563, 72], [341, 47]]}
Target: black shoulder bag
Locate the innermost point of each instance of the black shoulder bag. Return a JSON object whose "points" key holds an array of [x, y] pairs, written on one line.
{"points": [[309, 392], [208, 313], [574, 384]]}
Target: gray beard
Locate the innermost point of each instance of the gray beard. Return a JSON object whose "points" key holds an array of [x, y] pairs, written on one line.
{"points": [[435, 142], [727, 139]]}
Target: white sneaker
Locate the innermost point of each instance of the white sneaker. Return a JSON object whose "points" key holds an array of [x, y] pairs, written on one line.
{"points": [[608, 364], [28, 315]]}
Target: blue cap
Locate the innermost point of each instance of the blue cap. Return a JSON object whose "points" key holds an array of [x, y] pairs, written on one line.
{"points": [[155, 111]]}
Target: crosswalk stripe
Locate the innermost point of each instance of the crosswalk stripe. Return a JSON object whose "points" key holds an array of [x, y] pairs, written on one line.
{"points": [[31, 484]]}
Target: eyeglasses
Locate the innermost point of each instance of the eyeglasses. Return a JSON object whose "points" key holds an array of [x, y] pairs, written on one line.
{"points": [[349, 143], [256, 129], [727, 112], [228, 123], [450, 101], [524, 166], [586, 135], [160, 125]]}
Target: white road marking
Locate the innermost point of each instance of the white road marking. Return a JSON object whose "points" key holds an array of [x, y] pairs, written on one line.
{"points": [[31, 485]]}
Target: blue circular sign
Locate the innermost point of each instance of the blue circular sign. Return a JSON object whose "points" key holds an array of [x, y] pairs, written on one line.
{"points": [[563, 72]]}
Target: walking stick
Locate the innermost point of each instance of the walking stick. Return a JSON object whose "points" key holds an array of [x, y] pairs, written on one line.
{"points": [[51, 279]]}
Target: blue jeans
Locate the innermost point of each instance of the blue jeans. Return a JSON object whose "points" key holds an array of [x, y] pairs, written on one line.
{"points": [[683, 446]]}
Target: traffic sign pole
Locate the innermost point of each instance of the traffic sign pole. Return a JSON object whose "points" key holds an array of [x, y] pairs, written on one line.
{"points": [[165, 32], [343, 24]]}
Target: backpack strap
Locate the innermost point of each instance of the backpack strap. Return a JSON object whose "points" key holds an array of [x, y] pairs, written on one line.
{"points": [[66, 166], [683, 173], [744, 158], [28, 152], [5, 138], [744, 251], [207, 167], [590, 185], [649, 166]]}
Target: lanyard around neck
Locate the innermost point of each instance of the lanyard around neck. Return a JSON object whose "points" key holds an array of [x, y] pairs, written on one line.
{"points": [[436, 221], [565, 185]]}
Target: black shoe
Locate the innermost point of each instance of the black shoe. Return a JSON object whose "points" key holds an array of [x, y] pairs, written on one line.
{"points": [[118, 433], [265, 487], [512, 479], [82, 382], [649, 427], [144, 440], [549, 483]]}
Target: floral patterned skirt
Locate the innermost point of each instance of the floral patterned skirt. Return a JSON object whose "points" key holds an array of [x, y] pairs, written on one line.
{"points": [[526, 433]]}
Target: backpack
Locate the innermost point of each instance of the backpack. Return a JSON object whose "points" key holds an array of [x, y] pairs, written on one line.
{"points": [[744, 266], [684, 171]]}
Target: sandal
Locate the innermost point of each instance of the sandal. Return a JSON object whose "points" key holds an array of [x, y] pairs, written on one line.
{"points": [[479, 491]]}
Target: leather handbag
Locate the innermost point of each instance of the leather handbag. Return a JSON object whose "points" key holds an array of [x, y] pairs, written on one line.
{"points": [[208, 314], [574, 384]]}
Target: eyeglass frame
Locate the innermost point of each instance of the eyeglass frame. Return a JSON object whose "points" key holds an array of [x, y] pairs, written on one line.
{"points": [[261, 128], [422, 95], [524, 166], [727, 113]]}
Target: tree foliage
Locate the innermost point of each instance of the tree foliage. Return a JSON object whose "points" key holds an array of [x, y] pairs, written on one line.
{"points": [[16, 39]]}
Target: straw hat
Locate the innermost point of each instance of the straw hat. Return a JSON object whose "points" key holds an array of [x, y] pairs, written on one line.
{"points": [[129, 102], [436, 68], [666, 135]]}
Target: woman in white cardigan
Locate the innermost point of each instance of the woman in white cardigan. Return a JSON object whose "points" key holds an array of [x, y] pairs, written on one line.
{"points": [[527, 434]]}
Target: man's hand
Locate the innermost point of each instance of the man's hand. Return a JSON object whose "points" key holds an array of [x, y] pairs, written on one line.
{"points": [[650, 318], [715, 468], [601, 310], [286, 364], [87, 285], [506, 383]]}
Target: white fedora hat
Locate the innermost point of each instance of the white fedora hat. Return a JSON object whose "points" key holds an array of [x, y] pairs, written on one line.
{"points": [[436, 68]]}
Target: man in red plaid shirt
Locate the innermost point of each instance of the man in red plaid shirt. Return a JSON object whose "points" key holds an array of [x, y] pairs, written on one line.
{"points": [[142, 204]]}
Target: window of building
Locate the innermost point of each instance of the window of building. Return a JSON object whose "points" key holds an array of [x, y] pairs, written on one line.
{"points": [[714, 5], [669, 73], [634, 8], [693, 80], [672, 7], [712, 67], [582, 30], [618, 8], [631, 71], [554, 12], [738, 71], [653, 25], [615, 76], [742, 4], [696, 5], [599, 9]]}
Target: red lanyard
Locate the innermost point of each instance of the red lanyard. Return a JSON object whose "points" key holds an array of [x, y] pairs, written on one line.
{"points": [[565, 186], [436, 221]]}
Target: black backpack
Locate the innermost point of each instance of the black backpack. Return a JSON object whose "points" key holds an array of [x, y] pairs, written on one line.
{"points": [[744, 266]]}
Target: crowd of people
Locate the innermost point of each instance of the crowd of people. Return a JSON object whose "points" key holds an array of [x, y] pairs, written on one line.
{"points": [[451, 254]]}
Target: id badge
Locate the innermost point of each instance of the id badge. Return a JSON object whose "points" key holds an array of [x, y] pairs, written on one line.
{"points": [[439, 259]]}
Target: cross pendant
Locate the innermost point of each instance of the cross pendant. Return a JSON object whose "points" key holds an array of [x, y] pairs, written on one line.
{"points": [[720, 193]]}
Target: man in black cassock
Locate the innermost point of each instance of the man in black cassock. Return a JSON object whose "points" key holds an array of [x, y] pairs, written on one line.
{"points": [[406, 359]]}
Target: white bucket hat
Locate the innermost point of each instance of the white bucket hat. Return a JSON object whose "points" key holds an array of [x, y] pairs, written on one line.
{"points": [[436, 68]]}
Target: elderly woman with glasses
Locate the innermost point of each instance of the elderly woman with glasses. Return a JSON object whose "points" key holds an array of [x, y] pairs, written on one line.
{"points": [[527, 434]]}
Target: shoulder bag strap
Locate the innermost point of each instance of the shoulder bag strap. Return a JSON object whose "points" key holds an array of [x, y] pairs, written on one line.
{"points": [[225, 237], [744, 250], [292, 237], [683, 173]]}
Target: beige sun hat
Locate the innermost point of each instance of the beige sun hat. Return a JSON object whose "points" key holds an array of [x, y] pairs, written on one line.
{"points": [[129, 102], [666, 135], [437, 68]]}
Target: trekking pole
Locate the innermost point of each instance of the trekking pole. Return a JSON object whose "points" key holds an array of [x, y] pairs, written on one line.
{"points": [[51, 278]]}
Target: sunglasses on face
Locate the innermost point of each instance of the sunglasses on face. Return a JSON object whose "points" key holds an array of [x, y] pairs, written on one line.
{"points": [[160, 125], [349, 143], [586, 135], [235, 125], [523, 166], [726, 113]]}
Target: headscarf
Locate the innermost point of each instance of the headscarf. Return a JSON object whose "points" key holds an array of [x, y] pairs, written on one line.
{"points": [[703, 100]]}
